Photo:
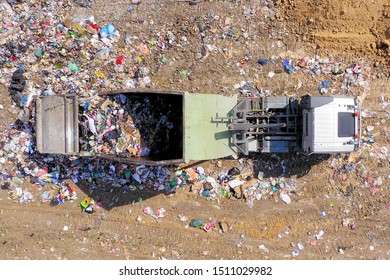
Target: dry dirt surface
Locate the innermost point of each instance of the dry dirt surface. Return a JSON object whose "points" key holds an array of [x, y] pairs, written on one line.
{"points": [[358, 26], [218, 44]]}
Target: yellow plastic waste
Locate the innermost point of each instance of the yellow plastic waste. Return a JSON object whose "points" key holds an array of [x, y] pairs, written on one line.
{"points": [[101, 75], [352, 158]]}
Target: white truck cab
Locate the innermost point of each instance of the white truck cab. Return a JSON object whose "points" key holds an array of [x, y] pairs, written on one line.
{"points": [[330, 124]]}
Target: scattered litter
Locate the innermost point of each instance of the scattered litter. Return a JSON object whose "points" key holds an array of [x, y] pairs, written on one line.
{"points": [[347, 222], [198, 223], [208, 226], [263, 61], [263, 248], [201, 224], [88, 205], [160, 212], [25, 196], [249, 204], [323, 88], [182, 218], [285, 198], [320, 234]]}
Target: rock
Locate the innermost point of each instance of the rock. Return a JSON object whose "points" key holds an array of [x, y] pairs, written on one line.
{"points": [[263, 248], [197, 186], [378, 181], [238, 192], [84, 3], [24, 115], [346, 222], [224, 226]]}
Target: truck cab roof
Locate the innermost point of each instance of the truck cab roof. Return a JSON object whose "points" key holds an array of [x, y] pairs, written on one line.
{"points": [[331, 124]]}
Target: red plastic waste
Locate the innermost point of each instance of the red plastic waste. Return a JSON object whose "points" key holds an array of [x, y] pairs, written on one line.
{"points": [[120, 59]]}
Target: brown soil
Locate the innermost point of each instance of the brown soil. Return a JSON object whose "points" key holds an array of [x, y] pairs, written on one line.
{"points": [[359, 27], [348, 32]]}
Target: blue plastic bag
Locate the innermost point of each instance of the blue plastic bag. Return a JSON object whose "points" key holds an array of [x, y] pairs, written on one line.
{"points": [[263, 61]]}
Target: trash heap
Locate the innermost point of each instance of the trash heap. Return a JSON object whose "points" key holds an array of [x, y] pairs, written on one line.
{"points": [[20, 169], [23, 170], [61, 55], [99, 174], [64, 193], [127, 126], [354, 163]]}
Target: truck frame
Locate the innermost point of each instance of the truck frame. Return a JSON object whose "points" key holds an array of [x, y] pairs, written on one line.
{"points": [[212, 126]]}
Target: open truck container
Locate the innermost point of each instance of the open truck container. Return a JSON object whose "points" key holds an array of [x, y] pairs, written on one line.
{"points": [[198, 135]]}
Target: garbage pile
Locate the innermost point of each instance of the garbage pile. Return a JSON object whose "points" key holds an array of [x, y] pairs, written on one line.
{"points": [[60, 55], [53, 175], [25, 170], [19, 168], [128, 126]]}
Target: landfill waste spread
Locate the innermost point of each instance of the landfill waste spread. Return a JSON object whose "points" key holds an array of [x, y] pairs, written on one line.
{"points": [[234, 184], [77, 47], [50, 48]]}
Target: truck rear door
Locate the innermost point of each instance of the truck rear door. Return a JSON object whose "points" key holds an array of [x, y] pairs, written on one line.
{"points": [[57, 124]]}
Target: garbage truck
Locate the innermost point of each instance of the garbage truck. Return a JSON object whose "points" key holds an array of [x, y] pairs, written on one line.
{"points": [[197, 126]]}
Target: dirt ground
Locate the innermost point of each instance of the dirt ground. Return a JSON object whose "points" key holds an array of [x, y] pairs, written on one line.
{"points": [[356, 203]]}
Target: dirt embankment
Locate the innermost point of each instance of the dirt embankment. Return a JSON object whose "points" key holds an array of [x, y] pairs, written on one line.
{"points": [[352, 26]]}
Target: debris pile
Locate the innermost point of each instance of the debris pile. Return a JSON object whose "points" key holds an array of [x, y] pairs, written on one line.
{"points": [[129, 126]]}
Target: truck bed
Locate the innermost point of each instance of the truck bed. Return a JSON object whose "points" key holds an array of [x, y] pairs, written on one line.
{"points": [[146, 126]]}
